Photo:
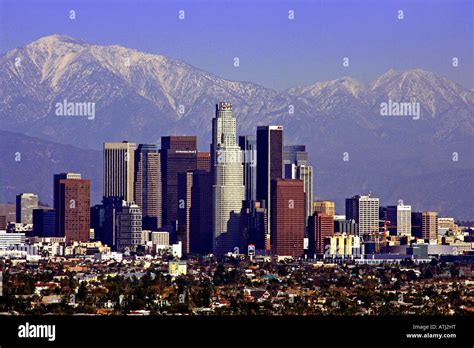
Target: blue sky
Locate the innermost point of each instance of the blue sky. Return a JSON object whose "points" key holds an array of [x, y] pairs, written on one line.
{"points": [[273, 50]]}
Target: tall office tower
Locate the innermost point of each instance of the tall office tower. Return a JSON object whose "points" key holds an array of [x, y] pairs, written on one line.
{"points": [[185, 202], [248, 145], [228, 189], [129, 227], [305, 173], [327, 207], [44, 222], [254, 225], [200, 229], [296, 166], [293, 156], [399, 219], [269, 163], [178, 155], [119, 170], [364, 210], [25, 203], [320, 227], [287, 219], [72, 206], [148, 185], [204, 161], [105, 221], [429, 225], [416, 224]]}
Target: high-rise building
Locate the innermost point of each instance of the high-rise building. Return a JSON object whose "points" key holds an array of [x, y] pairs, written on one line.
{"points": [[364, 210], [269, 163], [288, 218], [399, 217], [228, 188], [105, 221], [185, 202], [178, 155], [320, 227], [119, 170], [305, 173], [147, 189], [416, 224], [200, 229], [429, 225], [25, 203], [204, 161], [129, 227], [254, 225], [72, 206], [293, 156], [248, 145], [44, 222], [327, 207]]}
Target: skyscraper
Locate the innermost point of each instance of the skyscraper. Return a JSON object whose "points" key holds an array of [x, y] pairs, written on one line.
{"points": [[44, 222], [72, 206], [269, 163], [327, 207], [119, 170], [364, 210], [293, 156], [25, 203], [429, 225], [148, 185], [204, 161], [228, 188], [254, 225], [296, 166], [288, 218], [320, 227], [129, 227], [178, 155], [185, 202], [200, 229], [400, 219], [248, 145]]}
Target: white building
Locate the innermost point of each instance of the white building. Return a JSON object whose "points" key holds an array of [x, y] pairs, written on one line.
{"points": [[228, 189], [364, 210], [10, 239]]}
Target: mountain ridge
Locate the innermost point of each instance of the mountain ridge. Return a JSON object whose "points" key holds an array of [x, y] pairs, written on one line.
{"points": [[141, 96]]}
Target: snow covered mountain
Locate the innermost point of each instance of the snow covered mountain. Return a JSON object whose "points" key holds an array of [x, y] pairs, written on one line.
{"points": [[140, 96]]}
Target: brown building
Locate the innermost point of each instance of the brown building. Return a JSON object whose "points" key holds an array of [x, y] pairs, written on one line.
{"points": [[288, 217], [178, 155], [3, 222], [72, 206], [204, 161], [320, 227], [429, 225], [148, 185]]}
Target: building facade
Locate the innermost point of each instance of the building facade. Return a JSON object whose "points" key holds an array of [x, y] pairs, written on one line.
{"points": [[364, 210], [147, 189], [119, 170], [228, 188], [288, 218], [72, 206], [25, 203]]}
